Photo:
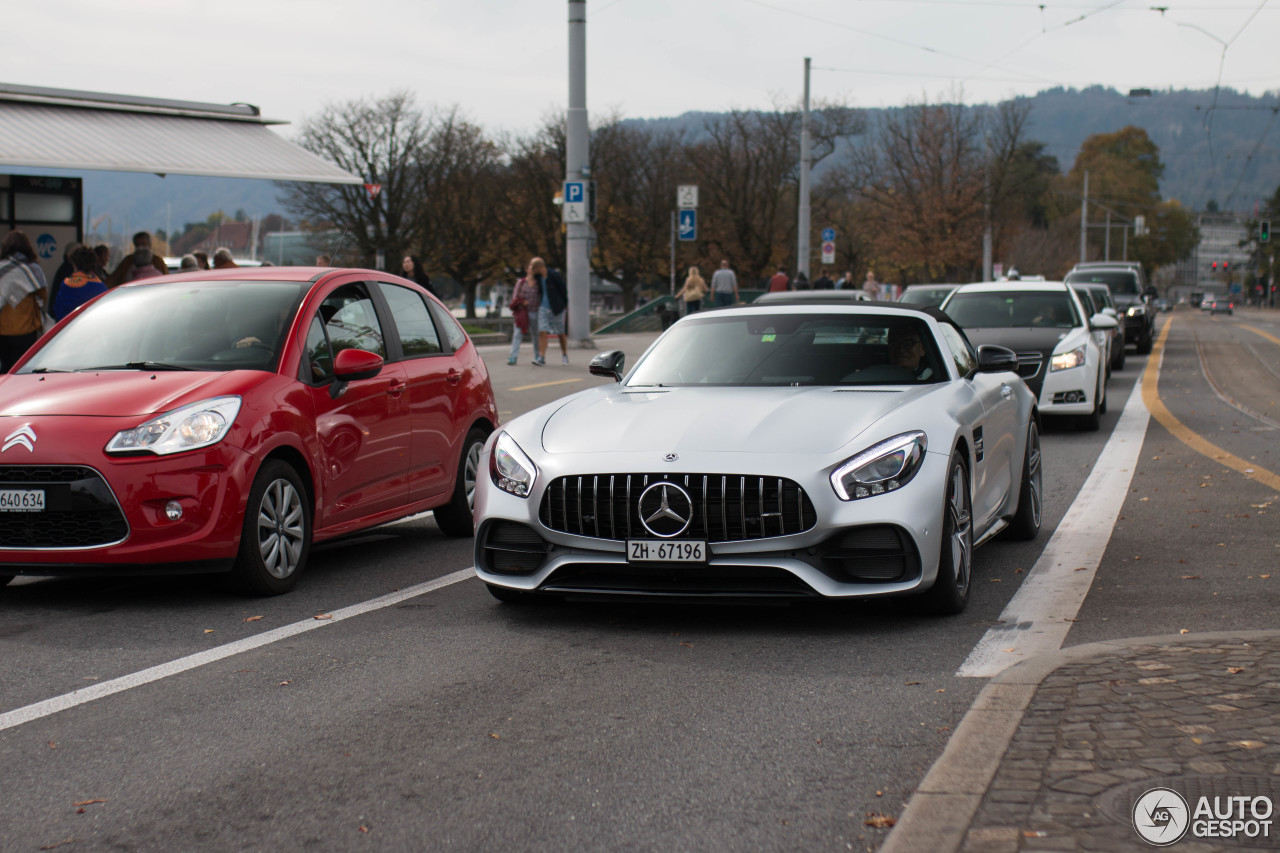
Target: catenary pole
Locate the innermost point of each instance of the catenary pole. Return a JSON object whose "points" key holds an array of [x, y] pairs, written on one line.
{"points": [[1084, 218], [577, 168], [806, 162]]}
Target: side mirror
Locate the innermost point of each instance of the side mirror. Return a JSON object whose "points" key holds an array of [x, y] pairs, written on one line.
{"points": [[1150, 293], [1110, 312], [1102, 322], [352, 364], [608, 364], [996, 359]]}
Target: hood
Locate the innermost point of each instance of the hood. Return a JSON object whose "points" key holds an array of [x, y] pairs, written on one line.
{"points": [[804, 420], [1020, 339], [116, 393]]}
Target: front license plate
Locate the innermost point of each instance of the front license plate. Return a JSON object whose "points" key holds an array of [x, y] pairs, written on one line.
{"points": [[21, 500], [675, 551]]}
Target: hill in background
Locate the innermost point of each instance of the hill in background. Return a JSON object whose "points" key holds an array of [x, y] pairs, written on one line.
{"points": [[1229, 155]]}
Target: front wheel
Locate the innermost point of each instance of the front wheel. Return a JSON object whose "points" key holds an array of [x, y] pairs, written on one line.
{"points": [[1026, 521], [276, 537], [454, 518], [950, 591], [1146, 342]]}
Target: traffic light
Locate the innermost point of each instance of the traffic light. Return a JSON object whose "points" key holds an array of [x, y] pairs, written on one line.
{"points": [[1226, 265], [1264, 231], [1213, 265]]}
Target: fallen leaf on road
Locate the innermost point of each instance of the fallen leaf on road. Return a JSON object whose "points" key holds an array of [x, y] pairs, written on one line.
{"points": [[1191, 577], [323, 616], [58, 844], [495, 737], [363, 828], [1018, 571], [253, 619], [88, 802], [52, 745], [1011, 650], [686, 645], [1184, 631], [879, 793], [208, 630], [1235, 670], [941, 690], [909, 683], [995, 580], [879, 821], [283, 683], [1034, 833], [1248, 744], [1264, 577]]}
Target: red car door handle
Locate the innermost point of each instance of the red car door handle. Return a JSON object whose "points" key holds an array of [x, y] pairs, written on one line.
{"points": [[454, 377], [396, 388]]}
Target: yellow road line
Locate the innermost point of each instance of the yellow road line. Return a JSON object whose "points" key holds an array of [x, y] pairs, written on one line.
{"points": [[1271, 338], [1151, 396], [546, 384]]}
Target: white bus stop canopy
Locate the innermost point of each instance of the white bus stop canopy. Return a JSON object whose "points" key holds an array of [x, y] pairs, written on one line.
{"points": [[65, 129]]}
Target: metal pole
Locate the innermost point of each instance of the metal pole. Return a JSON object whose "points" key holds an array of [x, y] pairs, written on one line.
{"points": [[1084, 218], [577, 168], [1125, 252], [806, 163], [1106, 251], [674, 216], [987, 259]]}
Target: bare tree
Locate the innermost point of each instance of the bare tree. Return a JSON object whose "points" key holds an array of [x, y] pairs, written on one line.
{"points": [[461, 173], [379, 139]]}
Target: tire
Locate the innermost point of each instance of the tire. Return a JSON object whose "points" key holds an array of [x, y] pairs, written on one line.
{"points": [[508, 596], [1026, 521], [454, 518], [950, 591], [276, 538], [1146, 342], [1117, 356]]}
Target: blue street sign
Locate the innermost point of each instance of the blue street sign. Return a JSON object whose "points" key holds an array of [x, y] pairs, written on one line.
{"points": [[828, 235], [574, 191], [688, 224]]}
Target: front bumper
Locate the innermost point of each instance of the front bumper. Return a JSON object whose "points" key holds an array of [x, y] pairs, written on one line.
{"points": [[1071, 392], [109, 517], [879, 546]]}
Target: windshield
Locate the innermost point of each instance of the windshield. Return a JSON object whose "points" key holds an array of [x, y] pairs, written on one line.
{"points": [[224, 325], [926, 297], [1121, 282], [1009, 309], [793, 349]]}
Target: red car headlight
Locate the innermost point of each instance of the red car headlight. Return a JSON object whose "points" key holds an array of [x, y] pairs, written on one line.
{"points": [[188, 428]]}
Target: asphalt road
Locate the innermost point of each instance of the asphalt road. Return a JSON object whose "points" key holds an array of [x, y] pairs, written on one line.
{"points": [[449, 721]]}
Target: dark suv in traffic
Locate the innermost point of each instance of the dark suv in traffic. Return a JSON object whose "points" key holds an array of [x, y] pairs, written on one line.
{"points": [[1128, 284]]}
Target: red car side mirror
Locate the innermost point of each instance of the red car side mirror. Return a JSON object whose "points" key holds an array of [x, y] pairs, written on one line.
{"points": [[352, 364]]}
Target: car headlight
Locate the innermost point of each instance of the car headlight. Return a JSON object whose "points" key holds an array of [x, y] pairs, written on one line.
{"points": [[881, 468], [510, 468], [188, 428], [1136, 310], [1067, 360]]}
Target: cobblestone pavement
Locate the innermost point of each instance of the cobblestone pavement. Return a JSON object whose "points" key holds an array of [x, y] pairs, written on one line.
{"points": [[1100, 726]]}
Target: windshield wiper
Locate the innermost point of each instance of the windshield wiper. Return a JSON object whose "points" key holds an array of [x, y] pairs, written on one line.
{"points": [[50, 370], [137, 365]]}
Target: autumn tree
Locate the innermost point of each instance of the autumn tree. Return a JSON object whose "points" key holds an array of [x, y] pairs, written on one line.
{"points": [[381, 140], [461, 176], [526, 218], [922, 178]]}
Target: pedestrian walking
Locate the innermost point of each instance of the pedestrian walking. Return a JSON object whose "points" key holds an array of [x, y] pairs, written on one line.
{"points": [[413, 271], [724, 285], [824, 282], [695, 288], [82, 285], [779, 282], [23, 292], [871, 286], [802, 281], [551, 314], [523, 299], [222, 259], [846, 282], [140, 264]]}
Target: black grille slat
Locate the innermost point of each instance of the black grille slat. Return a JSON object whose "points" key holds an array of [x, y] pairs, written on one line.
{"points": [[726, 507]]}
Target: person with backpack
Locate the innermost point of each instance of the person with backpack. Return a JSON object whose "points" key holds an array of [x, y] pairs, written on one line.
{"points": [[23, 292]]}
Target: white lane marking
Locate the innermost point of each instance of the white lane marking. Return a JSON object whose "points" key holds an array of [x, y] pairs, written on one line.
{"points": [[26, 714], [1037, 619]]}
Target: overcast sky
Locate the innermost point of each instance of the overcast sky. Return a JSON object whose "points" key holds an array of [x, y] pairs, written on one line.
{"points": [[504, 62]]}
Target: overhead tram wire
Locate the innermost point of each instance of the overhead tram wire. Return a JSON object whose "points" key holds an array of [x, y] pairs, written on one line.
{"points": [[1274, 112]]}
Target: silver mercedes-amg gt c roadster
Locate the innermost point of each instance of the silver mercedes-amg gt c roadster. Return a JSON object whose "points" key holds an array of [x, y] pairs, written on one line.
{"points": [[768, 451]]}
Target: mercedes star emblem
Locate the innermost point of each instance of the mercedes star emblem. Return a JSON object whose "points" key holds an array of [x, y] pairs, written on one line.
{"points": [[665, 509]]}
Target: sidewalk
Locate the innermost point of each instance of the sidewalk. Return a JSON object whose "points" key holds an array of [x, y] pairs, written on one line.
{"points": [[1056, 751]]}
